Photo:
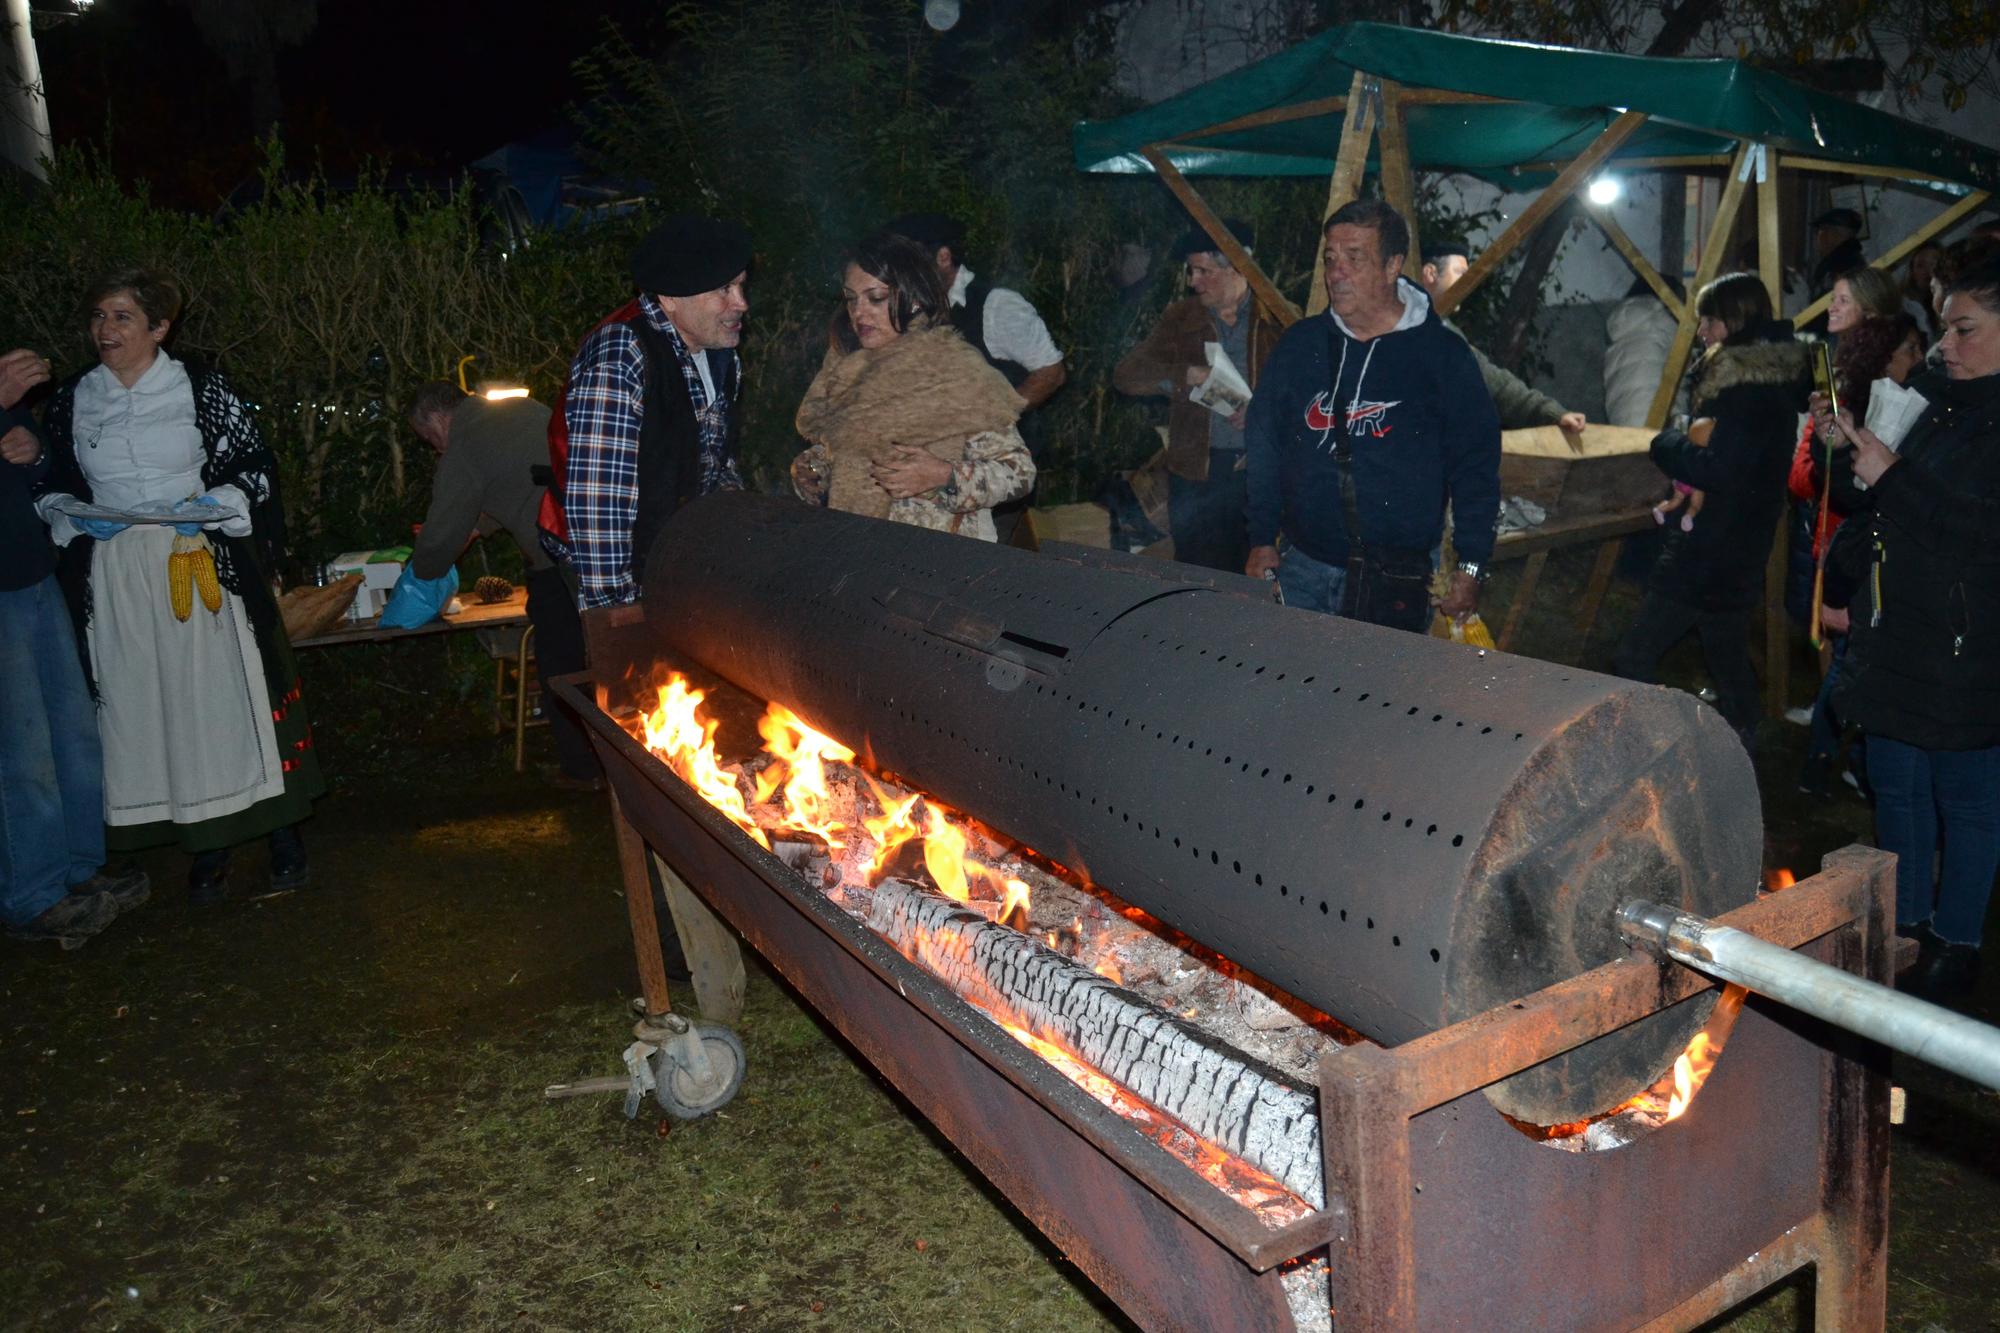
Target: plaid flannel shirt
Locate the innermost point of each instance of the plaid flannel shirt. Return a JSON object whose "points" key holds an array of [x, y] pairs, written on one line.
{"points": [[606, 400]]}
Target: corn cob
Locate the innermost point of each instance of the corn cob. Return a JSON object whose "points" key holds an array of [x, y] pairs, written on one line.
{"points": [[180, 580], [205, 582]]}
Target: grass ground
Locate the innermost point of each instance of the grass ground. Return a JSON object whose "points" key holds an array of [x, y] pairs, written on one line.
{"points": [[323, 1110]]}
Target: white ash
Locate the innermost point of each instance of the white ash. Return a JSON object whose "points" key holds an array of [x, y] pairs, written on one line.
{"points": [[1250, 1111]]}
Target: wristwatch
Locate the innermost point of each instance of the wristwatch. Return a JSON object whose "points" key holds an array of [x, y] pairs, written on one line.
{"points": [[1474, 568]]}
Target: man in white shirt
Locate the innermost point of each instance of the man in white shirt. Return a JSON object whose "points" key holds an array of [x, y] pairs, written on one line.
{"points": [[1002, 324]]}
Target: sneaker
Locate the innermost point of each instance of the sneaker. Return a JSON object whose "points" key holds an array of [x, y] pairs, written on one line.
{"points": [[72, 920], [128, 885], [1799, 717]]}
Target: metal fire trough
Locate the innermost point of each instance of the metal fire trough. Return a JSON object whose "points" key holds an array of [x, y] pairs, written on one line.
{"points": [[1440, 1212]]}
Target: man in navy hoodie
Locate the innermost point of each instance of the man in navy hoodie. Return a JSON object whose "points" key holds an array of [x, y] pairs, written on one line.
{"points": [[1379, 389]]}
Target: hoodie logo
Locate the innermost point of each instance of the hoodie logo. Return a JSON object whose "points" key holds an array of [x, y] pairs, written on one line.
{"points": [[1371, 417]]}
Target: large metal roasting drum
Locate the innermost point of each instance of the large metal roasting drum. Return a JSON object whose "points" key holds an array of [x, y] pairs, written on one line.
{"points": [[1400, 831]]}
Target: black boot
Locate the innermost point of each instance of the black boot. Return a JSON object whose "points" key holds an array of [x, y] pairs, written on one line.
{"points": [[208, 878], [1946, 975], [288, 859]]}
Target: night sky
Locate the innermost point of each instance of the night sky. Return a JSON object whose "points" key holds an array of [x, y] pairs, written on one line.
{"points": [[426, 83]]}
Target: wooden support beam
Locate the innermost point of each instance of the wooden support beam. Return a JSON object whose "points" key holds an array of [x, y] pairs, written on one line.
{"points": [[1902, 249], [1770, 259], [1277, 115], [1712, 247], [1641, 265], [1793, 162], [1680, 162], [1446, 97], [1357, 130], [1562, 187], [1399, 184], [1268, 295]]}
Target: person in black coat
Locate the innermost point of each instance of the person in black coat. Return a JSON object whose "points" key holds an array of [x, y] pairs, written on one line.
{"points": [[1923, 674], [1751, 383]]}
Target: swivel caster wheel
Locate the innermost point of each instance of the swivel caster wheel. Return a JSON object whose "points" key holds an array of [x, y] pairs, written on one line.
{"points": [[698, 1071]]}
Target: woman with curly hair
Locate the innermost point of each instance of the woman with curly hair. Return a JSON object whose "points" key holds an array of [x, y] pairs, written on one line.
{"points": [[1873, 349], [205, 742], [906, 420]]}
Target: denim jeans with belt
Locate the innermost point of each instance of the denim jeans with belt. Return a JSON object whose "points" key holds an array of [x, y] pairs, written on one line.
{"points": [[51, 767], [1919, 793], [1309, 584]]}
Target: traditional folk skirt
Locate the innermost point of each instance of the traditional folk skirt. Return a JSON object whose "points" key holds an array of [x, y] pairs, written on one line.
{"points": [[196, 751]]}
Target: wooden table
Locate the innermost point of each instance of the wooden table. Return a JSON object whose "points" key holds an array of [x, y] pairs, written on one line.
{"points": [[510, 615], [1610, 532]]}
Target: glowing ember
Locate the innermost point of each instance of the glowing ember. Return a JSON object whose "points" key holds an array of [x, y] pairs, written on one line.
{"points": [[1781, 878], [1015, 899], [800, 754], [675, 732]]}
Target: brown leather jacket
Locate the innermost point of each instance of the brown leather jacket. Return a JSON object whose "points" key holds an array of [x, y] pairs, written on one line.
{"points": [[1159, 366]]}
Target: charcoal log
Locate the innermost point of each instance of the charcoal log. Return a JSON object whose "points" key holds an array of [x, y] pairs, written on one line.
{"points": [[1217, 1093], [1398, 830]]}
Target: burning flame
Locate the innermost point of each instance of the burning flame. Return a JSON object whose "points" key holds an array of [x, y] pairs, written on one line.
{"points": [[1781, 878], [1015, 899], [895, 826], [801, 753], [944, 855], [674, 732]]}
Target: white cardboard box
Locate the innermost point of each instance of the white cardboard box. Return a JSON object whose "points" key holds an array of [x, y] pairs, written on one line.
{"points": [[379, 571]]}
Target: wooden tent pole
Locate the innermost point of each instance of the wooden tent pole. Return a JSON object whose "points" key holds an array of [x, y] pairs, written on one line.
{"points": [[1277, 115], [1268, 295], [1902, 249], [1712, 248], [1562, 187], [1399, 185], [1357, 129], [1770, 261], [1640, 264]]}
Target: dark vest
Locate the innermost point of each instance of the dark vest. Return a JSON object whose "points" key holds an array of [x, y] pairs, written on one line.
{"points": [[971, 326], [669, 437]]}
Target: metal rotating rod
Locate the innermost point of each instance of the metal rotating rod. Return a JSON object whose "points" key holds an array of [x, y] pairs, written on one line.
{"points": [[1904, 1023]]}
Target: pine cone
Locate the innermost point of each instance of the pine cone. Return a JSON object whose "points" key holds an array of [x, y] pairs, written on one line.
{"points": [[492, 588]]}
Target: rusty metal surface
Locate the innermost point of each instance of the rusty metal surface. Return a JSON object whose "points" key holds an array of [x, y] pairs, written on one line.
{"points": [[1154, 1236], [1787, 1134], [1400, 831], [1459, 1221]]}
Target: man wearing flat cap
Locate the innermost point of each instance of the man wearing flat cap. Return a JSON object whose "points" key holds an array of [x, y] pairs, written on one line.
{"points": [[651, 404], [1206, 498]]}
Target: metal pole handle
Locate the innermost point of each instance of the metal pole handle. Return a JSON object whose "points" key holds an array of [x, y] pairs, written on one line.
{"points": [[1904, 1023]]}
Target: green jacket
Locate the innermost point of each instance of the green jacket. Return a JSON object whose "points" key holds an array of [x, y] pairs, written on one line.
{"points": [[1521, 404]]}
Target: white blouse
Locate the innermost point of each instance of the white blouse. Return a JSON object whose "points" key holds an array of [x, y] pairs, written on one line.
{"points": [[138, 446]]}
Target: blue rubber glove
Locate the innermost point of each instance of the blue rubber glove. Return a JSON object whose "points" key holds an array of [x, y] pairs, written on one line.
{"points": [[101, 528], [190, 529]]}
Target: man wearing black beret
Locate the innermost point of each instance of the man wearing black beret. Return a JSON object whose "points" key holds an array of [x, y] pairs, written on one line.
{"points": [[650, 409]]}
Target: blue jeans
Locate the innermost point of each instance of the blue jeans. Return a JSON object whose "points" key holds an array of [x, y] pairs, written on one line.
{"points": [[51, 767], [1309, 584], [1823, 732], [1917, 792]]}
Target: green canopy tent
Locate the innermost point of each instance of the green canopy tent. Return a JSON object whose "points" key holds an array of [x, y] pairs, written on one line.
{"points": [[1522, 115]]}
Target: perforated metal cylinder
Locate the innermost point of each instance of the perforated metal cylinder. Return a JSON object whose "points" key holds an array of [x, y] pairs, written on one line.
{"points": [[1398, 830]]}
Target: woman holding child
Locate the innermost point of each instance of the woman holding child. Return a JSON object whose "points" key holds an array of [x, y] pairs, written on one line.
{"points": [[1751, 382], [906, 420]]}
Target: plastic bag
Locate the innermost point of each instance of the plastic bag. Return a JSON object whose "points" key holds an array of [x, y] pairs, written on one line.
{"points": [[1470, 631], [416, 601]]}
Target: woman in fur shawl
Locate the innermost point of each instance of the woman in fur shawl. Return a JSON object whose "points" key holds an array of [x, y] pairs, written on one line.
{"points": [[1752, 380], [906, 420]]}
